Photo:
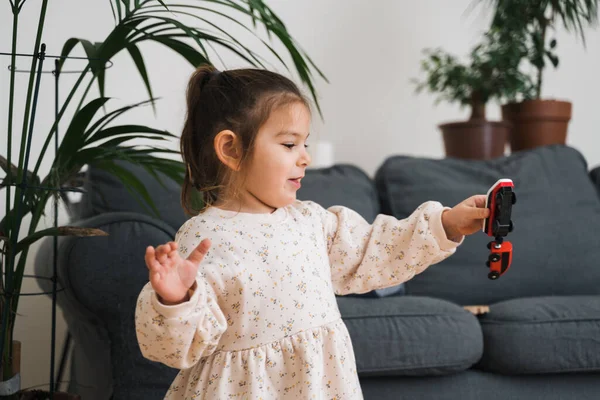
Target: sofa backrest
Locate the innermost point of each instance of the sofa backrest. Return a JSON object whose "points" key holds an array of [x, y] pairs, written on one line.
{"points": [[344, 185], [106, 193], [556, 219]]}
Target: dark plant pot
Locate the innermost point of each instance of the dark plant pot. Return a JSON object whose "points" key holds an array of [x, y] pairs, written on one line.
{"points": [[14, 390], [43, 395], [475, 139], [537, 123]]}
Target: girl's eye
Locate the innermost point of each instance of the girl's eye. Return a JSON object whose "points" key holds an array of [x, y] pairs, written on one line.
{"points": [[291, 145]]}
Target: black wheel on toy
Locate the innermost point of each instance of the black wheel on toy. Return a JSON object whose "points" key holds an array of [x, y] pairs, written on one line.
{"points": [[487, 264], [510, 228], [489, 245], [493, 275], [514, 198]]}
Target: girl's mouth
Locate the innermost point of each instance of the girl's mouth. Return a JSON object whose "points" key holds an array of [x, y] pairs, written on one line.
{"points": [[296, 182]]}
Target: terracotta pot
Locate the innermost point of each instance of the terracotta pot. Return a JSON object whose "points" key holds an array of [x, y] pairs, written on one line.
{"points": [[475, 139], [537, 123]]}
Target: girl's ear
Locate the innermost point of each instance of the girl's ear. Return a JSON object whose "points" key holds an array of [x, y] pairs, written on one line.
{"points": [[228, 147]]}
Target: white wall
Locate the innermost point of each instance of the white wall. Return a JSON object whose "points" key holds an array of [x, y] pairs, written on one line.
{"points": [[368, 49]]}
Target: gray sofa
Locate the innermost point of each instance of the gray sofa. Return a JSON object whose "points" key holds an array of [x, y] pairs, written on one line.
{"points": [[541, 339]]}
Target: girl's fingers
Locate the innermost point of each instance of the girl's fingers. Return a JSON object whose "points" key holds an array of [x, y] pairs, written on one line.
{"points": [[150, 258], [161, 255], [479, 200], [197, 255]]}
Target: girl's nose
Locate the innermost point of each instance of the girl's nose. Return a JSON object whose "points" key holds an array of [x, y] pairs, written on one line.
{"points": [[305, 158]]}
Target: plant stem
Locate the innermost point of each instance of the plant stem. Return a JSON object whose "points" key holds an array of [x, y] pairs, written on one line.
{"points": [[477, 107], [60, 114], [11, 101], [542, 45], [35, 219], [6, 333]]}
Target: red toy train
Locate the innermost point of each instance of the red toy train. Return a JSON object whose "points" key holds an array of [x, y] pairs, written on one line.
{"points": [[500, 199]]}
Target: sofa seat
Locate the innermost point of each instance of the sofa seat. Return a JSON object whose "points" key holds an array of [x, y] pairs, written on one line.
{"points": [[542, 335], [410, 335]]}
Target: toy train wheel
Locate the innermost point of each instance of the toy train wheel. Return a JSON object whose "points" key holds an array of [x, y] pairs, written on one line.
{"points": [[493, 275], [514, 198], [489, 245], [510, 228], [496, 226], [487, 264], [494, 257]]}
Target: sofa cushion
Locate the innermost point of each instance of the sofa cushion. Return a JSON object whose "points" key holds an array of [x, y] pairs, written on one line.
{"points": [[556, 218], [542, 335], [106, 193], [410, 336]]}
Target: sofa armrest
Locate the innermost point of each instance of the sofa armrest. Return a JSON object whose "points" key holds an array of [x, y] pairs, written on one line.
{"points": [[102, 278]]}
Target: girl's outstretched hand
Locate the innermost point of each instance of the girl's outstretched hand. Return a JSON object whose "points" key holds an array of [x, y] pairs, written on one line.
{"points": [[465, 218], [170, 275]]}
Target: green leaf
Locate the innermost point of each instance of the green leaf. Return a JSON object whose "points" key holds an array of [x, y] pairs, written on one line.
{"points": [[74, 138], [139, 62], [109, 117], [66, 50], [59, 231], [127, 129], [185, 50]]}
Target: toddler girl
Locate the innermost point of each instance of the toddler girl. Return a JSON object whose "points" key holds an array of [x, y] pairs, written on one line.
{"points": [[243, 301]]}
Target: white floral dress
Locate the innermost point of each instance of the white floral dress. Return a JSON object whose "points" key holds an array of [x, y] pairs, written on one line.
{"points": [[263, 322]]}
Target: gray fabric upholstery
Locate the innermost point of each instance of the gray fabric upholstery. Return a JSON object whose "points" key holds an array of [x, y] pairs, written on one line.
{"points": [[477, 385], [556, 218], [411, 336], [344, 185], [106, 193], [102, 277], [542, 335]]}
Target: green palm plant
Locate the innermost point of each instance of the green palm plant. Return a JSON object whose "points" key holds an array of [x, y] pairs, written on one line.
{"points": [[536, 121], [532, 20], [94, 138]]}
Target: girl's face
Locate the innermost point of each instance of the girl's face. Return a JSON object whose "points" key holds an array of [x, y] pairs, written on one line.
{"points": [[279, 160]]}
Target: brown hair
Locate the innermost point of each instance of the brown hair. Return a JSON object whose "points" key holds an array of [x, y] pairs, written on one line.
{"points": [[239, 100]]}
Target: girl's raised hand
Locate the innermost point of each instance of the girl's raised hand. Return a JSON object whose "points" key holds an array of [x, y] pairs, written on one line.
{"points": [[172, 276]]}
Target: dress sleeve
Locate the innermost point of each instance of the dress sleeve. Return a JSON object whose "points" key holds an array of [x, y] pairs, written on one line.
{"points": [[389, 251], [179, 335]]}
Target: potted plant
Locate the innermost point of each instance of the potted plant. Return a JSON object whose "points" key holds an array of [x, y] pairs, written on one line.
{"points": [[92, 137], [486, 77], [537, 121]]}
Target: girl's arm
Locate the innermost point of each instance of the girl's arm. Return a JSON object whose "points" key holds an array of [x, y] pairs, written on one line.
{"points": [[388, 252], [180, 335]]}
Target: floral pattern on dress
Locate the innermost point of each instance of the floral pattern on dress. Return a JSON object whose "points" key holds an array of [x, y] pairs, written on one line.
{"points": [[263, 322]]}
